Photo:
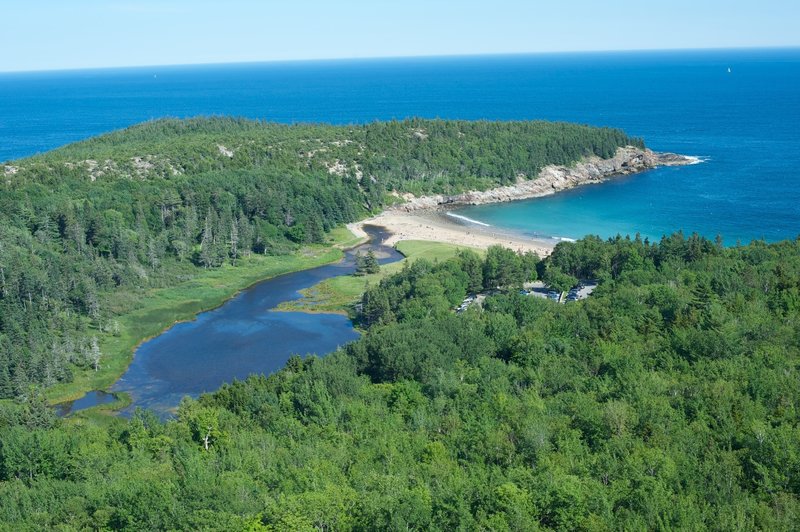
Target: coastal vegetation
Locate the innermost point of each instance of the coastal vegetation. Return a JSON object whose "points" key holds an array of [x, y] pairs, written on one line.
{"points": [[106, 242], [367, 263], [341, 293], [667, 400], [146, 313]]}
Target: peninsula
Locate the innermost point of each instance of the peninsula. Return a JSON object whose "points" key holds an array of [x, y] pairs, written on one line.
{"points": [[667, 399], [108, 241]]}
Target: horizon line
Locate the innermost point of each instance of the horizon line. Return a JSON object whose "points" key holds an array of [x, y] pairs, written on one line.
{"points": [[400, 57]]}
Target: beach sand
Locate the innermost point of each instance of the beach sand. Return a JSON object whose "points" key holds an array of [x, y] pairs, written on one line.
{"points": [[437, 227], [423, 218]]}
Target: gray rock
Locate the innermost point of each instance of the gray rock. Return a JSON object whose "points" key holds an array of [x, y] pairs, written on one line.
{"points": [[552, 179]]}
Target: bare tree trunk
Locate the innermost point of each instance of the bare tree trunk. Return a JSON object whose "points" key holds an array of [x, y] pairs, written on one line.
{"points": [[95, 353], [234, 242]]}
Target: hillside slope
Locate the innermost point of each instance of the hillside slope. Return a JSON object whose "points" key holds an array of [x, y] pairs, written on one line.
{"points": [[86, 229]]}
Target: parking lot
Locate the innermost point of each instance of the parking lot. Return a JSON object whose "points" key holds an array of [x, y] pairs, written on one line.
{"points": [[539, 289], [536, 289]]}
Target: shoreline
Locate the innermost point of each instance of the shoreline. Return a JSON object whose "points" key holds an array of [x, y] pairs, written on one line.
{"points": [[120, 351], [322, 256], [423, 218], [436, 226], [426, 217]]}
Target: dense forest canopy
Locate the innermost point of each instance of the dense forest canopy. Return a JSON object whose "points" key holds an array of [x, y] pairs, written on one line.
{"points": [[152, 205], [667, 400]]}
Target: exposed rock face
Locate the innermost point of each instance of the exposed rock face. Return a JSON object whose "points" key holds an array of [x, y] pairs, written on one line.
{"points": [[225, 151], [552, 179]]}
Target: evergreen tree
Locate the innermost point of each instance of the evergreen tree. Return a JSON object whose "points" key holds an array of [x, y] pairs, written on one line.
{"points": [[370, 263]]}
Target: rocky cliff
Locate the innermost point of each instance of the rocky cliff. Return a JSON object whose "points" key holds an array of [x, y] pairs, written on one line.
{"points": [[552, 179]]}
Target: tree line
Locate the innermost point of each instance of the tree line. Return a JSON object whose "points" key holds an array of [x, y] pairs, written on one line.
{"points": [[667, 400], [156, 204]]}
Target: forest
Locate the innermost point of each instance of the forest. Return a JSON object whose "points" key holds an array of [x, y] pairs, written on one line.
{"points": [[87, 229], [667, 400]]}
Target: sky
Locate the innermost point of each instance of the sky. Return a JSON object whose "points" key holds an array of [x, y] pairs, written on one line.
{"points": [[67, 34]]}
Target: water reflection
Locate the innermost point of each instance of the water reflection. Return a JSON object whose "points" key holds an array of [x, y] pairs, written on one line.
{"points": [[243, 336], [93, 398]]}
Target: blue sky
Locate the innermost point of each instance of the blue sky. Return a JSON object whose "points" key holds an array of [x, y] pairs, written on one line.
{"points": [[58, 34]]}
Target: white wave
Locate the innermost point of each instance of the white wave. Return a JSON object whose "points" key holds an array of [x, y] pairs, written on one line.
{"points": [[469, 220], [698, 159], [563, 239]]}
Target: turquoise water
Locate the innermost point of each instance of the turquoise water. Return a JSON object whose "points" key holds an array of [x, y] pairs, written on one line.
{"points": [[744, 123], [652, 204]]}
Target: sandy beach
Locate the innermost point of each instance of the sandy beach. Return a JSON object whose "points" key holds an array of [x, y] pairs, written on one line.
{"points": [[436, 226], [425, 218]]}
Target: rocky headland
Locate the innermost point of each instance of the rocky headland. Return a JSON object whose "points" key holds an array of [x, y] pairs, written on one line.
{"points": [[552, 179], [424, 218]]}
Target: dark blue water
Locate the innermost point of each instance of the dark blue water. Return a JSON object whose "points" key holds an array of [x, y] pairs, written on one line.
{"points": [[93, 398], [744, 122], [245, 335]]}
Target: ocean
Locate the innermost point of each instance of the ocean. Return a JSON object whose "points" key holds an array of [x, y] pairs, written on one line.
{"points": [[738, 110]]}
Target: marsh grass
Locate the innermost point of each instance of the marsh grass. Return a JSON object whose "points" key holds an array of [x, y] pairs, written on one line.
{"points": [[141, 315], [339, 294]]}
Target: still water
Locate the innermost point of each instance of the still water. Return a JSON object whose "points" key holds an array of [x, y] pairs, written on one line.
{"points": [[243, 336]]}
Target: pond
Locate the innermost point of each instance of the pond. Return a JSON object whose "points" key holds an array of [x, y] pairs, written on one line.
{"points": [[93, 398], [246, 335]]}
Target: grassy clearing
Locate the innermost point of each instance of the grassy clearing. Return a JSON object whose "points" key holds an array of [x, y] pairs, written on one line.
{"points": [[338, 294], [344, 239], [149, 312]]}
